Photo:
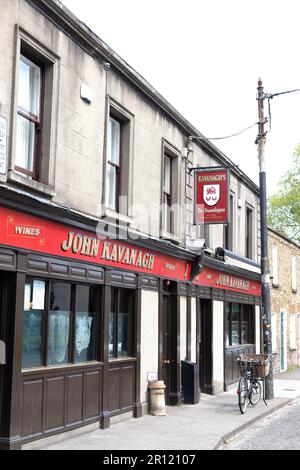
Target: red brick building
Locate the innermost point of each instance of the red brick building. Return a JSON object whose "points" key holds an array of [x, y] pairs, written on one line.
{"points": [[285, 301]]}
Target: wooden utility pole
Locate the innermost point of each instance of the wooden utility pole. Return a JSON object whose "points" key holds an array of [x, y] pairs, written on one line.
{"points": [[265, 271]]}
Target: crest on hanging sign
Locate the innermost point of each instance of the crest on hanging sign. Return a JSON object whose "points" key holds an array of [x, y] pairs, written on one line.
{"points": [[211, 194]]}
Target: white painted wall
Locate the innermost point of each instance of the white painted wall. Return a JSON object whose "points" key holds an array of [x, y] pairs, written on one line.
{"points": [[218, 346], [183, 327], [257, 329], [193, 330], [149, 338]]}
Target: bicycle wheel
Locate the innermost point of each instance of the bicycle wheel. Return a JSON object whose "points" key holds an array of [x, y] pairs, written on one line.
{"points": [[243, 394], [255, 392]]}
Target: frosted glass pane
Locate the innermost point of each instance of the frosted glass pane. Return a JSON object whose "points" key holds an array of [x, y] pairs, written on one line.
{"points": [[25, 143], [29, 87], [111, 187], [114, 134]]}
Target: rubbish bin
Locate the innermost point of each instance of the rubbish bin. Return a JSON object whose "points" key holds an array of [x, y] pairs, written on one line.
{"points": [[157, 398], [190, 382]]}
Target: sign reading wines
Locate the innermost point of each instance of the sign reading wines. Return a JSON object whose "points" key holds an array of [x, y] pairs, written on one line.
{"points": [[212, 196]]}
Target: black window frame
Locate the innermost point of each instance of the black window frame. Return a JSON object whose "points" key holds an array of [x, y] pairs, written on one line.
{"points": [[245, 310], [131, 325]]}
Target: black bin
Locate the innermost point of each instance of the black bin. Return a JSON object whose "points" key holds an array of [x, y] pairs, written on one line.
{"points": [[190, 382]]}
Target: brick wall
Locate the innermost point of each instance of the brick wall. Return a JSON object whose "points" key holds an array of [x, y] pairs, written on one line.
{"points": [[285, 301]]}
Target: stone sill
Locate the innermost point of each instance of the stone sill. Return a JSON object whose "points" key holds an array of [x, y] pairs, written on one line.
{"points": [[36, 186]]}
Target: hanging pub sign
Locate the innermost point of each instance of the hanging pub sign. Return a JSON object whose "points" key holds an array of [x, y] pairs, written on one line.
{"points": [[212, 196]]}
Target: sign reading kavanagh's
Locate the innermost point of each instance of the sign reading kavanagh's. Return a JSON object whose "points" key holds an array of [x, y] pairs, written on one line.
{"points": [[211, 196]]}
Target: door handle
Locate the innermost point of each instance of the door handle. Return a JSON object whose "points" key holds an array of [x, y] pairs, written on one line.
{"points": [[166, 361]]}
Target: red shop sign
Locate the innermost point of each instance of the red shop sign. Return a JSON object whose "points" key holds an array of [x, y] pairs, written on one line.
{"points": [[36, 234], [217, 280], [212, 196]]}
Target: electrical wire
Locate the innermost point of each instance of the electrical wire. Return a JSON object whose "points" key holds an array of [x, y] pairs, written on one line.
{"points": [[194, 137], [270, 96]]}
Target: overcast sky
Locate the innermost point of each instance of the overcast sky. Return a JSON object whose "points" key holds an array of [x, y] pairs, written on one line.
{"points": [[205, 57]]}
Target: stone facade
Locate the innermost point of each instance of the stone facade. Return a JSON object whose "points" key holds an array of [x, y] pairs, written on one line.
{"points": [[74, 138], [285, 300]]}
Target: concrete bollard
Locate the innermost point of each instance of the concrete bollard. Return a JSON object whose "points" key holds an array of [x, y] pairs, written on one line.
{"points": [[157, 398]]}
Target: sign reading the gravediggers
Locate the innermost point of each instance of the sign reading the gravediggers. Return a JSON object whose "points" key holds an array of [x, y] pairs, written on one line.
{"points": [[212, 196]]}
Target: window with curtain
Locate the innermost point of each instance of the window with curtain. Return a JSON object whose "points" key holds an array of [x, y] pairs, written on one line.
{"points": [[33, 323], [121, 323], [113, 169], [167, 195], [29, 118], [59, 323]]}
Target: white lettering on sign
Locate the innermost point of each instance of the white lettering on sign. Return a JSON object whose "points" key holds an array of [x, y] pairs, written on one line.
{"points": [[3, 138], [28, 231], [234, 282]]}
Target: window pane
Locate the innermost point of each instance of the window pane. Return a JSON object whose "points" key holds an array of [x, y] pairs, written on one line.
{"points": [[235, 324], [126, 306], [59, 324], [29, 87], [33, 324], [248, 333], [25, 143], [227, 325], [112, 323], [111, 335], [114, 135], [85, 323], [123, 349], [111, 187], [167, 175]]}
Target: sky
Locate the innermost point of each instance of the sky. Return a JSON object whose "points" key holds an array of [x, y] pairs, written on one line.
{"points": [[205, 58]]}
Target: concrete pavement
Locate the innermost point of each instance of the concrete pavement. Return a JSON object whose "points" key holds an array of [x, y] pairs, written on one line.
{"points": [[203, 426]]}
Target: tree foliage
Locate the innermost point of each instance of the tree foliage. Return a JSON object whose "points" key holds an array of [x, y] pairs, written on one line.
{"points": [[284, 206]]}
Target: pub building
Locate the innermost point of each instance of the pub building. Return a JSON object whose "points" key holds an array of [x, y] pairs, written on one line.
{"points": [[89, 312], [85, 320]]}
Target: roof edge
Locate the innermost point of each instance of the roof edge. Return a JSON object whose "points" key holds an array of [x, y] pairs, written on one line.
{"points": [[62, 17]]}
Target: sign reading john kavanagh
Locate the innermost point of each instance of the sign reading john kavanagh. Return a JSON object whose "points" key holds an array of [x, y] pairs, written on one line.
{"points": [[212, 196]]}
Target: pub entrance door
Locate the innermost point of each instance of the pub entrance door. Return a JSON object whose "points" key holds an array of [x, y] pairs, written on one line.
{"points": [[205, 346], [168, 370]]}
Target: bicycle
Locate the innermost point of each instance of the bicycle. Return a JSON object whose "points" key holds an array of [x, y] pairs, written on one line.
{"points": [[253, 369]]}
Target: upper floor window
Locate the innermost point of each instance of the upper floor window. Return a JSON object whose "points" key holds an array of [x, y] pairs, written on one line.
{"points": [[113, 170], [171, 213], [228, 229], [34, 127], [29, 119], [249, 233], [167, 195]]}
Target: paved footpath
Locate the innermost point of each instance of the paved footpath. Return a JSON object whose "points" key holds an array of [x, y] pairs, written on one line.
{"points": [[204, 426]]}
